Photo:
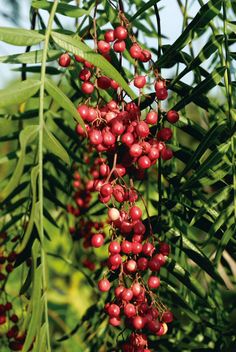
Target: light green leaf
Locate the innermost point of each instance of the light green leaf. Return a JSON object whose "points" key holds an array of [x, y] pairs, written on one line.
{"points": [[61, 99], [26, 136], [211, 81], [63, 9], [54, 146], [32, 57], [144, 8], [203, 17], [19, 92], [20, 37], [77, 47]]}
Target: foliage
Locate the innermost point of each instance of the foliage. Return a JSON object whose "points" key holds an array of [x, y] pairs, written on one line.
{"points": [[195, 194]]}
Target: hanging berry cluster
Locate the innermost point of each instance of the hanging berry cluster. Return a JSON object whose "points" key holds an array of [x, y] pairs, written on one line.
{"points": [[11, 334], [127, 143]]}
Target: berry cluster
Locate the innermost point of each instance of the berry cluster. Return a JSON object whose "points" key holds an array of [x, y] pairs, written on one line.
{"points": [[10, 332], [126, 143]]}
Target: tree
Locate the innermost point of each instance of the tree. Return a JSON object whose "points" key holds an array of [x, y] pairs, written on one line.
{"points": [[118, 187]]}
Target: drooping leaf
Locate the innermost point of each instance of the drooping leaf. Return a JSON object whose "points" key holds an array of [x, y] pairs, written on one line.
{"points": [[20, 37], [63, 9], [32, 57], [54, 146], [19, 92]]}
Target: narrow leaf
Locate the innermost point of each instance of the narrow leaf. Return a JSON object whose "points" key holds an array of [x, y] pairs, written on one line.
{"points": [[32, 57], [54, 146], [20, 37]]}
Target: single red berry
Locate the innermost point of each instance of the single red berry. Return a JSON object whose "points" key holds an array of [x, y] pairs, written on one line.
{"points": [[79, 59], [85, 75], [104, 82], [144, 162], [64, 60], [119, 46], [167, 316], [103, 47], [126, 247], [166, 154], [127, 139], [138, 322], [113, 310], [14, 318], [83, 111], [114, 84], [115, 260], [135, 150], [137, 289], [114, 247], [139, 228], [161, 94], [129, 310], [120, 33], [131, 266], [114, 321], [3, 319], [135, 51], [87, 87], [95, 137], [137, 247], [148, 249], [109, 36], [135, 213], [152, 118], [153, 282], [142, 264], [140, 81], [153, 326], [8, 306], [127, 294], [104, 285], [145, 56], [97, 240], [172, 116], [142, 129], [106, 190], [165, 134]]}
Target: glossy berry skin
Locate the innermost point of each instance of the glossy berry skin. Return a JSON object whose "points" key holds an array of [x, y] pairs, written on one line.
{"points": [[95, 137], [114, 321], [106, 190], [166, 154], [109, 35], [161, 94], [138, 322], [135, 150], [153, 282], [126, 247], [113, 310], [64, 60], [142, 129], [127, 139], [114, 247], [144, 162], [172, 116], [135, 51], [135, 213], [104, 285], [142, 264], [104, 82], [103, 47], [137, 289], [165, 134], [152, 118], [127, 294], [167, 317], [140, 81], [129, 310], [85, 75], [148, 249], [131, 266], [145, 56], [83, 111], [97, 240], [120, 33], [87, 87], [119, 46]]}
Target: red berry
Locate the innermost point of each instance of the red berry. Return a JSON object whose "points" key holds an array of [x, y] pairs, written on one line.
{"points": [[161, 94], [172, 116], [104, 82], [85, 74], [166, 154], [135, 51], [145, 56], [97, 240], [152, 118], [153, 326], [137, 289], [113, 310], [64, 60], [140, 81], [109, 36], [142, 129], [95, 137], [144, 162], [87, 87], [115, 260], [148, 249], [83, 111], [118, 291], [3, 319], [79, 58], [135, 213], [114, 247], [138, 322], [129, 310], [142, 264], [137, 247], [114, 84], [165, 134], [119, 46], [127, 139], [103, 47], [114, 321], [106, 190], [167, 317], [104, 285], [131, 266], [120, 33], [153, 282], [135, 150], [127, 294], [139, 228], [126, 247]]}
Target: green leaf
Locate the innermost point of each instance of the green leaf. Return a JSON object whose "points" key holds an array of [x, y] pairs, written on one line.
{"points": [[32, 57], [203, 17], [26, 136], [144, 8], [228, 234], [209, 140], [77, 47], [61, 99], [20, 37], [184, 276], [29, 228], [19, 92], [63, 9], [211, 81], [54, 146], [8, 127]]}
